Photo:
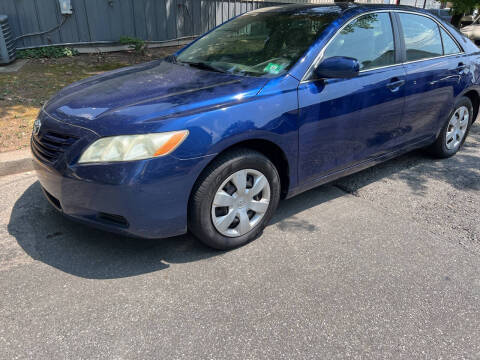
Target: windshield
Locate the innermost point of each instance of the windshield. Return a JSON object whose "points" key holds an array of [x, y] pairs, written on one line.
{"points": [[257, 44]]}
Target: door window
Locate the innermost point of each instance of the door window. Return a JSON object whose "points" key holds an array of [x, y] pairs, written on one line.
{"points": [[449, 45], [369, 39], [422, 37]]}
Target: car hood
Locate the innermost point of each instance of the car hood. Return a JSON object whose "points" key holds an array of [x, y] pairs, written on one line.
{"points": [[117, 101]]}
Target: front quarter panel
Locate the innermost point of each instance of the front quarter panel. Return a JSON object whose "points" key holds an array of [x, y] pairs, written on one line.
{"points": [[272, 115]]}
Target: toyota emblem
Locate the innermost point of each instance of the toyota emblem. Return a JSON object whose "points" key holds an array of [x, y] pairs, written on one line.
{"points": [[36, 126]]}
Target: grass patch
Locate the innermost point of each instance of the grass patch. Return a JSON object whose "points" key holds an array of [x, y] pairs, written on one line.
{"points": [[22, 94]]}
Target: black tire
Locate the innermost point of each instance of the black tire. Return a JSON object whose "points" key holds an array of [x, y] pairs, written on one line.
{"points": [[200, 221], [439, 147]]}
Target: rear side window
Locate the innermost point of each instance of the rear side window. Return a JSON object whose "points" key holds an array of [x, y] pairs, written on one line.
{"points": [[422, 37], [449, 45], [369, 39]]}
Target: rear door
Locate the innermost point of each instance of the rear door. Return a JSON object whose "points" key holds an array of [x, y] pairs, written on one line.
{"points": [[346, 121], [434, 67]]}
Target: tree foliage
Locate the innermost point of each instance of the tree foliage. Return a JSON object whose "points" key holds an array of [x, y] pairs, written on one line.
{"points": [[364, 22], [464, 6]]}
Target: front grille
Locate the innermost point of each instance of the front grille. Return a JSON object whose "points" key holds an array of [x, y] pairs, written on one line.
{"points": [[48, 146]]}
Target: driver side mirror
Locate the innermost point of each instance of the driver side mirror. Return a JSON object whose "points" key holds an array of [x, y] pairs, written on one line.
{"points": [[341, 67]]}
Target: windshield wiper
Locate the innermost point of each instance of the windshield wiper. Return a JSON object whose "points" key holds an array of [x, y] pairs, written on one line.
{"points": [[202, 65], [171, 58]]}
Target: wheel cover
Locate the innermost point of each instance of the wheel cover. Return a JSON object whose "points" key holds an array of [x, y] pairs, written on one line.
{"points": [[457, 128], [240, 203]]}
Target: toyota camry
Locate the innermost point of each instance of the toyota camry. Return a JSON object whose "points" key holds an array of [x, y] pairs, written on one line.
{"points": [[267, 105]]}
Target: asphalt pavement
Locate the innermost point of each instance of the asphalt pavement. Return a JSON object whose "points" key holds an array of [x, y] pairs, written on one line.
{"points": [[381, 264]]}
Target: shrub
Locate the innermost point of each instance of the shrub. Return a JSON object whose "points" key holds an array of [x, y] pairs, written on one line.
{"points": [[46, 52], [135, 44]]}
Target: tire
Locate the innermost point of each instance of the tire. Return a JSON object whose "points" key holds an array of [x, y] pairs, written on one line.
{"points": [[208, 219], [445, 145]]}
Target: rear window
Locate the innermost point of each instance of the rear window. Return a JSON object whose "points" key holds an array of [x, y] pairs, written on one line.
{"points": [[449, 45], [422, 37]]}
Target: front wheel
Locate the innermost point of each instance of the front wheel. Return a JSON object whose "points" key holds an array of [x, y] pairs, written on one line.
{"points": [[234, 199], [455, 131]]}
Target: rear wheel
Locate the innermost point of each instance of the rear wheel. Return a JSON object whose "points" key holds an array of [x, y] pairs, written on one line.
{"points": [[455, 131], [234, 199]]}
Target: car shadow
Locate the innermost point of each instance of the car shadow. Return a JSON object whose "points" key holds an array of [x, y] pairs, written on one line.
{"points": [[47, 236]]}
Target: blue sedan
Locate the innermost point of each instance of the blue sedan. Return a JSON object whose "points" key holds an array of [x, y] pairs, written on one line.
{"points": [[268, 105]]}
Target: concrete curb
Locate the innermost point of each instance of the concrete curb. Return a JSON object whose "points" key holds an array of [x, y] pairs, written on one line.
{"points": [[13, 67], [14, 162]]}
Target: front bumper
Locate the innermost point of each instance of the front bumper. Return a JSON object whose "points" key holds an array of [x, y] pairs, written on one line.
{"points": [[147, 198]]}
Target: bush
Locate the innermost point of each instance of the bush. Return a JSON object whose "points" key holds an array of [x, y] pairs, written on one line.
{"points": [[46, 52], [135, 44]]}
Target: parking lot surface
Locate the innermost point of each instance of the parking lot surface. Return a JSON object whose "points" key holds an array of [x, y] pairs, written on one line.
{"points": [[384, 263]]}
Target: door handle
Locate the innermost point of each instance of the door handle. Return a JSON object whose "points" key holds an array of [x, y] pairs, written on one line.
{"points": [[395, 84]]}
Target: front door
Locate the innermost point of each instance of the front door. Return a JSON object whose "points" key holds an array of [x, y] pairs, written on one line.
{"points": [[346, 121]]}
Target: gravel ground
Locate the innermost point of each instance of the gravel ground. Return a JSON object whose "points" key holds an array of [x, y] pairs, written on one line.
{"points": [[443, 193], [382, 264]]}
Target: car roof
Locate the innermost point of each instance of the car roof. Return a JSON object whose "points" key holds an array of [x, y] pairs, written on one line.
{"points": [[338, 7]]}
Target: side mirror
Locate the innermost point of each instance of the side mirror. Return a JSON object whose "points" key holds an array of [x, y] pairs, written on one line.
{"points": [[337, 67]]}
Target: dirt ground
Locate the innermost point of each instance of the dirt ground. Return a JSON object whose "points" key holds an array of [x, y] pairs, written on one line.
{"points": [[23, 93]]}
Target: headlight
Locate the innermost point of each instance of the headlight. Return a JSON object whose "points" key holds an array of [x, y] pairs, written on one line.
{"points": [[133, 147]]}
